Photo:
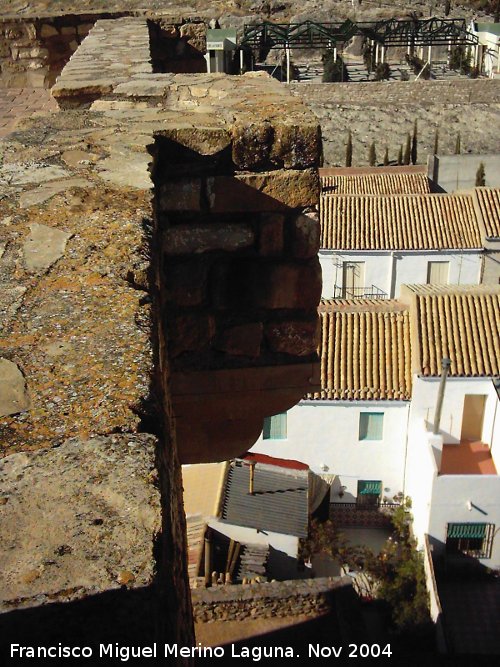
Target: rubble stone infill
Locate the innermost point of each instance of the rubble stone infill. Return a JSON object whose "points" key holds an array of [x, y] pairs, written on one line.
{"points": [[308, 597]]}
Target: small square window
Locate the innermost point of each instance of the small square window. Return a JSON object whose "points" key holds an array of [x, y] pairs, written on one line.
{"points": [[369, 493], [371, 425], [275, 427]]}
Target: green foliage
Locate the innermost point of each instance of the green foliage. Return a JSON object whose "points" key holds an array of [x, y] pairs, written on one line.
{"points": [[461, 59], [382, 71], [348, 150], [418, 66], [399, 568], [480, 176], [368, 57], [334, 70], [458, 144], [324, 538], [372, 155]]}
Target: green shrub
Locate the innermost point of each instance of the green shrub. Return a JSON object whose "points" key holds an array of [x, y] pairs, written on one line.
{"points": [[382, 71], [334, 70]]}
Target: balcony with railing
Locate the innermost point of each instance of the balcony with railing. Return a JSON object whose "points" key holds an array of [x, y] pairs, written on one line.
{"points": [[369, 292]]}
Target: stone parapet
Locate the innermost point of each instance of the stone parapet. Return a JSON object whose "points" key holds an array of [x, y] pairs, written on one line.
{"points": [[394, 93]]}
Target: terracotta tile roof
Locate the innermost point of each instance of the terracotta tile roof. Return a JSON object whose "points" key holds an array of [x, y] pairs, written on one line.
{"points": [[364, 350], [374, 182], [458, 322], [488, 200], [398, 222]]}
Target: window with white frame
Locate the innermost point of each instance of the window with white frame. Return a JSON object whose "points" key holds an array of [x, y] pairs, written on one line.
{"points": [[275, 427], [371, 425]]}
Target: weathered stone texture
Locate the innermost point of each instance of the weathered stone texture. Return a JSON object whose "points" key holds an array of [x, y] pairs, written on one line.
{"points": [[267, 599], [13, 397], [296, 338], [78, 519], [186, 239]]}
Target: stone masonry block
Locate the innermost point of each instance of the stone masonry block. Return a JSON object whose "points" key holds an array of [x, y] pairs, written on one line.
{"points": [[181, 195], [296, 286], [48, 31], [243, 340], [185, 282], [271, 234], [252, 144], [306, 234], [189, 333], [264, 191], [296, 338], [297, 146], [188, 239]]}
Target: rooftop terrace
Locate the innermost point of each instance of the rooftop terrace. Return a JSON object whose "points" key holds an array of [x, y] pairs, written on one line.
{"points": [[467, 458]]}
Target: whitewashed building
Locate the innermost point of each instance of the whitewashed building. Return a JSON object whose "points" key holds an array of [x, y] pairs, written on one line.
{"points": [[373, 244], [369, 431], [352, 431], [488, 57], [452, 475]]}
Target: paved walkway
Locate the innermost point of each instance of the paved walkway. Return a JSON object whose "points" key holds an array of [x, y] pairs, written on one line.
{"points": [[18, 103]]}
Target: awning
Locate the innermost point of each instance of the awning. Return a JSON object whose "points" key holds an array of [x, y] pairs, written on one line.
{"points": [[466, 530], [370, 488]]}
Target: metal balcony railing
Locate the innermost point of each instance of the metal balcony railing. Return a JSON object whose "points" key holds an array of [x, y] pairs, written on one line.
{"points": [[370, 292]]}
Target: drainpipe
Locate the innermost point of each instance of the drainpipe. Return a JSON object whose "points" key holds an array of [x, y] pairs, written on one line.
{"points": [[439, 404]]}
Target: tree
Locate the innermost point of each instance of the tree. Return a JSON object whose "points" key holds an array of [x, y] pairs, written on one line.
{"points": [[436, 142], [368, 57], [414, 141], [382, 71], [407, 155], [348, 150], [480, 176], [458, 145], [372, 155], [400, 155], [334, 68], [386, 157]]}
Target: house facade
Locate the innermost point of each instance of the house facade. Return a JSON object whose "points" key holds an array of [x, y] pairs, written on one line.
{"points": [[373, 244], [452, 474], [350, 432]]}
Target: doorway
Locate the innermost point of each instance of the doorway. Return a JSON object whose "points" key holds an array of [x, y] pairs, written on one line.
{"points": [[473, 416]]}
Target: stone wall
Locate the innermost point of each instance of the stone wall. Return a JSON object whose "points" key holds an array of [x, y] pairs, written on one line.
{"points": [[424, 93], [34, 51], [308, 597], [96, 276]]}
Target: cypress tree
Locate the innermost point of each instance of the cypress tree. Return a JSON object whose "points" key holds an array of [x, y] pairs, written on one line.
{"points": [[407, 155], [458, 145], [386, 157], [400, 155], [348, 150], [436, 142], [480, 176], [372, 155], [414, 141]]}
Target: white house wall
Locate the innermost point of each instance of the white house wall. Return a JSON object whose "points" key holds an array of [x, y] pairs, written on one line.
{"points": [[451, 498], [325, 436], [423, 405], [389, 270]]}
